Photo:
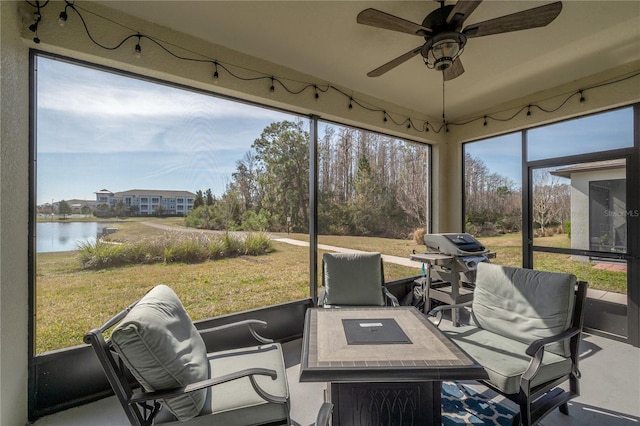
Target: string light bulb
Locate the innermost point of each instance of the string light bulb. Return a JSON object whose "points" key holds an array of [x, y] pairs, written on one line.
{"points": [[528, 109], [62, 18], [426, 126], [317, 95], [582, 99], [272, 89], [137, 51], [384, 116], [216, 76], [350, 104], [485, 120]]}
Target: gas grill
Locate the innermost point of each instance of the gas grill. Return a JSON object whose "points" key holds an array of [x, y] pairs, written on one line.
{"points": [[451, 261]]}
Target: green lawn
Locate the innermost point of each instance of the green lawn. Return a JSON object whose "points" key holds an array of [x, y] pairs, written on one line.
{"points": [[70, 301]]}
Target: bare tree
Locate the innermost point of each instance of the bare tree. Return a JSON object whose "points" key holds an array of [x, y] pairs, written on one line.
{"points": [[550, 200]]}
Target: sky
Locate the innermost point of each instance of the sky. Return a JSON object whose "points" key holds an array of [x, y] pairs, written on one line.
{"points": [[98, 130], [503, 154]]}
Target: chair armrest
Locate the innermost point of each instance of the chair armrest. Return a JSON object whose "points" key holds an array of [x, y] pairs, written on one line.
{"points": [[437, 311], [246, 323], [249, 372], [324, 415], [536, 345], [391, 297], [321, 296], [536, 351]]}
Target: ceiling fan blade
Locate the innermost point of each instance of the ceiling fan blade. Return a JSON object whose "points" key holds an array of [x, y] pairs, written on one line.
{"points": [[394, 63], [531, 18], [377, 18], [455, 70], [461, 12]]}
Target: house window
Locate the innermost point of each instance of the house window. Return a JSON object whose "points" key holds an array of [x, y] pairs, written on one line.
{"points": [[373, 192], [492, 206], [242, 174]]}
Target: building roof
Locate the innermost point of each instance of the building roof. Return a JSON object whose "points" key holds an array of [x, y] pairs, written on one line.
{"points": [[589, 167], [154, 193]]}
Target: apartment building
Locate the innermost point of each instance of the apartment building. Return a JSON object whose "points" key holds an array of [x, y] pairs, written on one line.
{"points": [[149, 201]]}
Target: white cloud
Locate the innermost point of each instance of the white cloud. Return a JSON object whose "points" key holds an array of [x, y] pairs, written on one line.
{"points": [[82, 91]]}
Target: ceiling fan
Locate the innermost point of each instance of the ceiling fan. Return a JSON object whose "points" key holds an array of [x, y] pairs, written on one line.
{"points": [[443, 34]]}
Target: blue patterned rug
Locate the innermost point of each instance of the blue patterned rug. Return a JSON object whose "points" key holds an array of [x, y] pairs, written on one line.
{"points": [[461, 405]]}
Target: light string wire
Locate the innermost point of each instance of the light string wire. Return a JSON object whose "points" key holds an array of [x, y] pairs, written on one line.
{"points": [[395, 118]]}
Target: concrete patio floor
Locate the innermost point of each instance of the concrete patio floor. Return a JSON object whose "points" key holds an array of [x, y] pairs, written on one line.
{"points": [[610, 392]]}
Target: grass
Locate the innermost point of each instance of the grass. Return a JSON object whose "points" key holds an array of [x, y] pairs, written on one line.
{"points": [[71, 300]]}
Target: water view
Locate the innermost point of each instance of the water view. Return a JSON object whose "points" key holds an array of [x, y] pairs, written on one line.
{"points": [[65, 236]]}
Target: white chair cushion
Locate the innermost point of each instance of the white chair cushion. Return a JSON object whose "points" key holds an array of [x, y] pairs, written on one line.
{"points": [[162, 348], [353, 279], [524, 304], [236, 403]]}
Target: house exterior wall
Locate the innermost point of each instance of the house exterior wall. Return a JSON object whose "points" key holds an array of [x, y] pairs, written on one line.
{"points": [[15, 42], [580, 203]]}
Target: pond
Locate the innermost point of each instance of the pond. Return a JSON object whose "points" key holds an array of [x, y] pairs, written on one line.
{"points": [[65, 236]]}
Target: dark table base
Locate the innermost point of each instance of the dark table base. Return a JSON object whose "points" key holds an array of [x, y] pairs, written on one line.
{"points": [[386, 404]]}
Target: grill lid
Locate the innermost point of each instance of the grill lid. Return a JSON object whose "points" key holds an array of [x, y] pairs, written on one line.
{"points": [[456, 244], [465, 242]]}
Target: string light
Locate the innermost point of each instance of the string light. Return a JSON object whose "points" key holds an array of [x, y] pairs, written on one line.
{"points": [[137, 51], [62, 18], [216, 75], [37, 17], [386, 116]]}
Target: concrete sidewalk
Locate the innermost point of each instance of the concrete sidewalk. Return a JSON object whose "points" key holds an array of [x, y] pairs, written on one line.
{"points": [[385, 257]]}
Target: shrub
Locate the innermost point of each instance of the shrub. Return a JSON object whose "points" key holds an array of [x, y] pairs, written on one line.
{"points": [[257, 244], [418, 235], [174, 247]]}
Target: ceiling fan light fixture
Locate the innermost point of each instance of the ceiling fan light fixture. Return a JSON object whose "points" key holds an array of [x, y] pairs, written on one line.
{"points": [[440, 52]]}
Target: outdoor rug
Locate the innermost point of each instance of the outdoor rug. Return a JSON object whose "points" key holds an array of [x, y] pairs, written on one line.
{"points": [[462, 405]]}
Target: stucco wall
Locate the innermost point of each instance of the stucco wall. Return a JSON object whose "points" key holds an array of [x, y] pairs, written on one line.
{"points": [[14, 206], [580, 203]]}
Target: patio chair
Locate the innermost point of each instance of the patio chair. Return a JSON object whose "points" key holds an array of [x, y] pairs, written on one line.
{"points": [[155, 347], [525, 331], [354, 279]]}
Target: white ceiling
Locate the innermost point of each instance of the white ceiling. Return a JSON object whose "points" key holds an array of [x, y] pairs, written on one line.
{"points": [[322, 39]]}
